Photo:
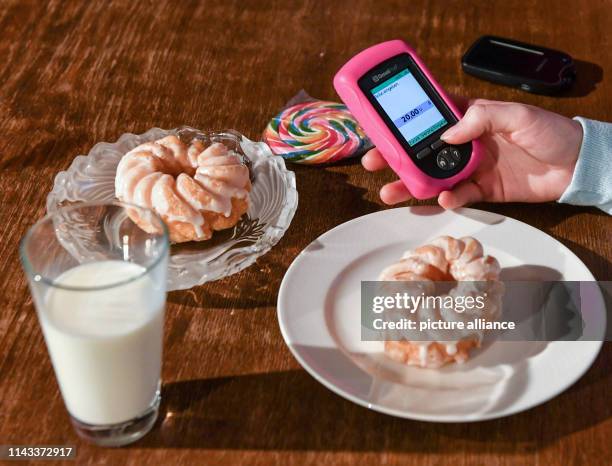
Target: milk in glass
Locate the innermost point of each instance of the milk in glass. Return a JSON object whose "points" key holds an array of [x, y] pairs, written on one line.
{"points": [[105, 344]]}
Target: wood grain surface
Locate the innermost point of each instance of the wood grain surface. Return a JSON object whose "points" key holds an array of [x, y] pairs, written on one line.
{"points": [[76, 73]]}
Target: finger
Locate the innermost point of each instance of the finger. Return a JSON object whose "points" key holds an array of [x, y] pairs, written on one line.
{"points": [[488, 117], [395, 192], [373, 160], [484, 102], [466, 192]]}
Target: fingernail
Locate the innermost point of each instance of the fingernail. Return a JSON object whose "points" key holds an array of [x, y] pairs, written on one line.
{"points": [[448, 133]]}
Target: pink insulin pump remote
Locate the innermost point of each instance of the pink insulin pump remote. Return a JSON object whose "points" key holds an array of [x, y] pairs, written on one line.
{"points": [[403, 110]]}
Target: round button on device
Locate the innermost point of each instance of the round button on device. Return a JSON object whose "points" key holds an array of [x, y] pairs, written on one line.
{"points": [[443, 160], [455, 153]]}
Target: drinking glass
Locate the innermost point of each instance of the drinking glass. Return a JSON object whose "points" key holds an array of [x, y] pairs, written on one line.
{"points": [[97, 273]]}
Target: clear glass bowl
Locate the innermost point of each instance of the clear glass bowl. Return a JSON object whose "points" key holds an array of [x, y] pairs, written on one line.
{"points": [[274, 200]]}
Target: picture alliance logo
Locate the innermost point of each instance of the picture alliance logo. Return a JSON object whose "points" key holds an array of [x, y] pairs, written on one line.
{"points": [[387, 72]]}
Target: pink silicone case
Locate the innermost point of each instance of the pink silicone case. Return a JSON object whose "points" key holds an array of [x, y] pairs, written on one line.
{"points": [[421, 185]]}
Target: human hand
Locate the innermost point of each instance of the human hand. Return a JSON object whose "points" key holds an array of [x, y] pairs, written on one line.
{"points": [[529, 155]]}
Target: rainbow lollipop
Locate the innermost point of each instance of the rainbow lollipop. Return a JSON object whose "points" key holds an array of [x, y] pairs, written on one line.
{"points": [[315, 132]]}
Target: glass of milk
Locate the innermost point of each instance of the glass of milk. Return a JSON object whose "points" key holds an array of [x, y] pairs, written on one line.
{"points": [[98, 280]]}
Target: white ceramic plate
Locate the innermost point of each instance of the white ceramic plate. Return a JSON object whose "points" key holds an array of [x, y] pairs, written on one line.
{"points": [[319, 317]]}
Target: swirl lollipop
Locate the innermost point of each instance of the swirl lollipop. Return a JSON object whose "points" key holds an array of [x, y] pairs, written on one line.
{"points": [[315, 132]]}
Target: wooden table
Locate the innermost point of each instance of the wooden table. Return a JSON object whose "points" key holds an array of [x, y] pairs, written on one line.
{"points": [[75, 73]]}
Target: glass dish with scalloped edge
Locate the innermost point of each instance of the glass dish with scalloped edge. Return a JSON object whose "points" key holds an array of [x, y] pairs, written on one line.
{"points": [[273, 202]]}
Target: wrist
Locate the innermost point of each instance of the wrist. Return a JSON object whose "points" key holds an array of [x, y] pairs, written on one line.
{"points": [[572, 155], [576, 142]]}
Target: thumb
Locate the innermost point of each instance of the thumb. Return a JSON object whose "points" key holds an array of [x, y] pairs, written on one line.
{"points": [[488, 117]]}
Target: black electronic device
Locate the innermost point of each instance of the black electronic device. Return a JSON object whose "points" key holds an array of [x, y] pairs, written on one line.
{"points": [[529, 67]]}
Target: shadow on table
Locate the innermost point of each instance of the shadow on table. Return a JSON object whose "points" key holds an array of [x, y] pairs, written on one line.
{"points": [[290, 411], [588, 75], [542, 216], [326, 199], [600, 266]]}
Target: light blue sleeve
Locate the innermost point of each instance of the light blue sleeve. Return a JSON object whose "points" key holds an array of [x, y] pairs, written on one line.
{"points": [[592, 180]]}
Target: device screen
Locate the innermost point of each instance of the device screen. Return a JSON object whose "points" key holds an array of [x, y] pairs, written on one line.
{"points": [[408, 107], [511, 59]]}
